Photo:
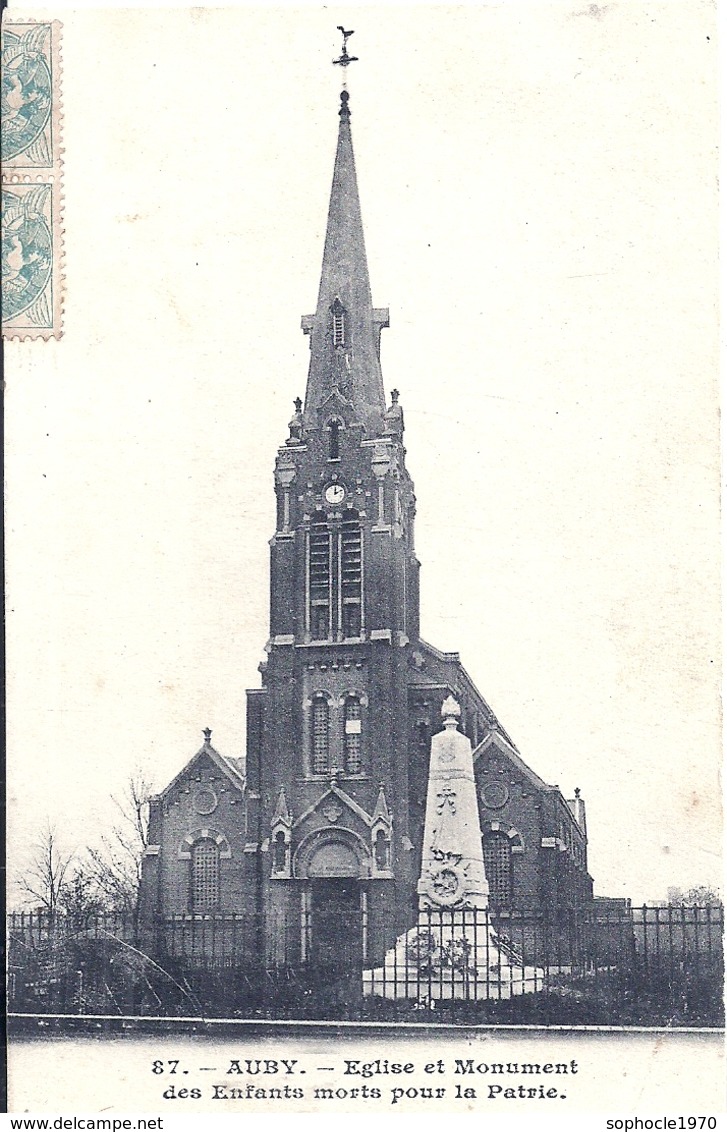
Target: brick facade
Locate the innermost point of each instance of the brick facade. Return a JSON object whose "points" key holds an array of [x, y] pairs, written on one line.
{"points": [[329, 812]]}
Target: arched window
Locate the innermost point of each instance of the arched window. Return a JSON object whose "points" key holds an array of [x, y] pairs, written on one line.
{"points": [[205, 876], [498, 868], [320, 742], [320, 579], [334, 445], [352, 735]]}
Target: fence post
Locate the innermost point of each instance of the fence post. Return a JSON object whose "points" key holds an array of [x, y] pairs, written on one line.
{"points": [[80, 990]]}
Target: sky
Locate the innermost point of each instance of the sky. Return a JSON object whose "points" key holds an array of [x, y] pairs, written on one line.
{"points": [[538, 187]]}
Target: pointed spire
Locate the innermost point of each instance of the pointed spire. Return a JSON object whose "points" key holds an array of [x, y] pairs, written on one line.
{"points": [[345, 328], [282, 816], [381, 814]]}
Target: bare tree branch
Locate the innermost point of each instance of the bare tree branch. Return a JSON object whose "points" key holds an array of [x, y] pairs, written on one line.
{"points": [[45, 876], [107, 876], [115, 865], [134, 806]]}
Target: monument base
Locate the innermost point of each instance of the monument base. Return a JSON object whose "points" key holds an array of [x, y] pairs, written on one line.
{"points": [[449, 955]]}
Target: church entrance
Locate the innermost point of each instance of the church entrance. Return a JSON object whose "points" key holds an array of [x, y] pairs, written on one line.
{"points": [[337, 924]]}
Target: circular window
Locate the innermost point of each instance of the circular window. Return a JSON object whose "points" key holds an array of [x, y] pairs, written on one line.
{"points": [[494, 795], [205, 800]]}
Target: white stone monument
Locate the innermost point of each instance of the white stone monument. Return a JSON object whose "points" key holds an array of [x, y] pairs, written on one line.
{"points": [[453, 951]]}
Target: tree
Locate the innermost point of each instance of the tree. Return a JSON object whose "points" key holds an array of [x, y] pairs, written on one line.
{"points": [[700, 894], [105, 877], [80, 896], [46, 875], [113, 869]]}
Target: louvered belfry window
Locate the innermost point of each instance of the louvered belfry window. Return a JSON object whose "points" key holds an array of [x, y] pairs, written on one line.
{"points": [[352, 735], [320, 736], [351, 575], [338, 311], [335, 578], [320, 580], [205, 876], [498, 868]]}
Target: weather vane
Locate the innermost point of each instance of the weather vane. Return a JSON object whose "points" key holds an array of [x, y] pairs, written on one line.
{"points": [[345, 58]]}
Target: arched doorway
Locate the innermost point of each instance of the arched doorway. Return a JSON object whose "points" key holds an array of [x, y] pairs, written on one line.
{"points": [[333, 912]]}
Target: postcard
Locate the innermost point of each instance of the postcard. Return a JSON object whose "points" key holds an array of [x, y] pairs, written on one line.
{"points": [[363, 563]]}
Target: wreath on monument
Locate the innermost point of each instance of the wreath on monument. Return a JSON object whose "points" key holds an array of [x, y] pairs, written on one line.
{"points": [[456, 954], [423, 952], [428, 957]]}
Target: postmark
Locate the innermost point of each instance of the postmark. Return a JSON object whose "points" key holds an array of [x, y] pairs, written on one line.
{"points": [[32, 216]]}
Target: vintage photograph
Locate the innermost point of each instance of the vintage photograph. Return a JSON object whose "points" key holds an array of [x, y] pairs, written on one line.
{"points": [[364, 663]]}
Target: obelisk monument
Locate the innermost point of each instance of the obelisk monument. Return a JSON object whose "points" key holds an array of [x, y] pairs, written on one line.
{"points": [[453, 868], [453, 950]]}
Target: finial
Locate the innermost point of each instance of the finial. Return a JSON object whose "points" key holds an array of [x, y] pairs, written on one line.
{"points": [[394, 416], [207, 732], [296, 423], [451, 712], [578, 792], [344, 112]]}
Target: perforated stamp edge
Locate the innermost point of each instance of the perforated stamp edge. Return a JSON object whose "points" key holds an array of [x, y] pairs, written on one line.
{"points": [[19, 179]]}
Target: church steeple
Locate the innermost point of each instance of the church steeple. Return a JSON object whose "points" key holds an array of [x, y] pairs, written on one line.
{"points": [[345, 329]]}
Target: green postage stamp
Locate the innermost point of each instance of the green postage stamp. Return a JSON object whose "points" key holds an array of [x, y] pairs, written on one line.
{"points": [[31, 180]]}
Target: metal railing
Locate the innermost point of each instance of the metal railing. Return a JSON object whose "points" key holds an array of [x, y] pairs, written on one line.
{"points": [[590, 965]]}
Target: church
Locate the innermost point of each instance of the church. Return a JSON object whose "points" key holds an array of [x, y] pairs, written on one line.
{"points": [[315, 836]]}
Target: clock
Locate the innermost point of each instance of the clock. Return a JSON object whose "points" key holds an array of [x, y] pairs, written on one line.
{"points": [[335, 493]]}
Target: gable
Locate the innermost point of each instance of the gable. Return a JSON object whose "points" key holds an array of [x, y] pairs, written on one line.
{"points": [[495, 744], [334, 797], [335, 404], [206, 757]]}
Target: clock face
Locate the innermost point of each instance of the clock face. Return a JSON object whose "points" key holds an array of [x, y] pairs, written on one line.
{"points": [[335, 493]]}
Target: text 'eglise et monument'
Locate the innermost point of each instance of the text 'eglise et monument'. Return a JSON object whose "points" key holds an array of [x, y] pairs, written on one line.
{"points": [[318, 835]]}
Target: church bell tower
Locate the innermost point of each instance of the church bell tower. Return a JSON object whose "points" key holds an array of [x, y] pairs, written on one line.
{"points": [[327, 753]]}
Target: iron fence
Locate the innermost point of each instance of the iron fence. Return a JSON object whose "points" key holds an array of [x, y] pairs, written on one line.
{"points": [[590, 965]]}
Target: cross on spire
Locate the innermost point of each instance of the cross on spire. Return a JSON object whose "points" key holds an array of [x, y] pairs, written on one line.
{"points": [[344, 59]]}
